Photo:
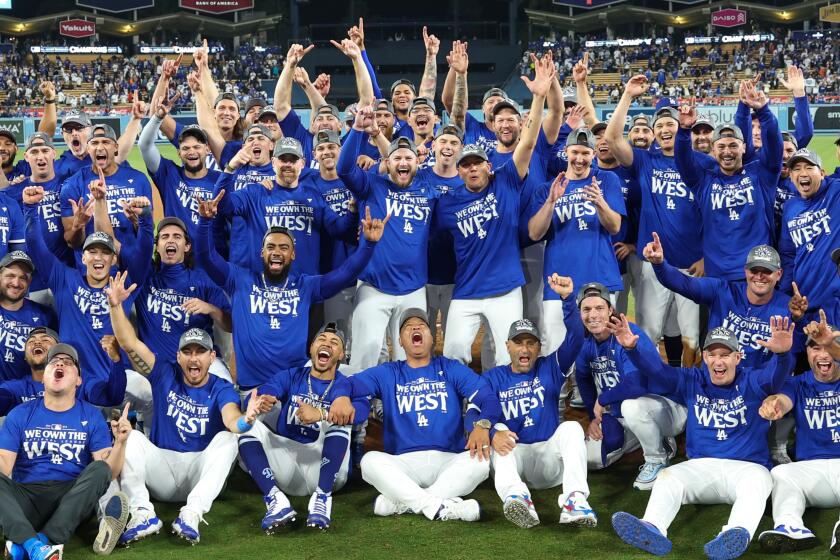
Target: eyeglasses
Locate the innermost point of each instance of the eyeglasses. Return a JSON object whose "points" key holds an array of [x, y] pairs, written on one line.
{"points": [[60, 360]]}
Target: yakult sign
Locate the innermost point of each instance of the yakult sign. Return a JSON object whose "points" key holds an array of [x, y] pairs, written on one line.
{"points": [[729, 17], [77, 28]]}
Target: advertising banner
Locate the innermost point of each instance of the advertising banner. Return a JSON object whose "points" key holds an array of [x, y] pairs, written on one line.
{"points": [[116, 6], [729, 17], [15, 126], [76, 28], [216, 6]]}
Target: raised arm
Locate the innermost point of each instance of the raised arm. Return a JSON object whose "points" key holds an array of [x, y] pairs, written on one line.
{"points": [[428, 84], [49, 121], [148, 149], [540, 222], [204, 113], [169, 71], [803, 122], [614, 134], [42, 257], [141, 357], [126, 140], [201, 57], [354, 178], [771, 376], [205, 251], [283, 89], [459, 63], [539, 88], [567, 352], [690, 171], [580, 73], [108, 392], [554, 116], [357, 35], [363, 82], [647, 361]]}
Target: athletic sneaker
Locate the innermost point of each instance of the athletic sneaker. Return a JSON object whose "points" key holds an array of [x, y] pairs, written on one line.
{"points": [[279, 512], [785, 538], [647, 475], [186, 526], [456, 509], [729, 544], [143, 523], [835, 540], [577, 511], [520, 511], [14, 551], [37, 550], [641, 534], [112, 525], [779, 456], [320, 509], [670, 445], [385, 506]]}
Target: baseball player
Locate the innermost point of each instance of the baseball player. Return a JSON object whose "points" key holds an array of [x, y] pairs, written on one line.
{"points": [[640, 134], [403, 91], [726, 439], [784, 189], [424, 468], [304, 453], [812, 398], [701, 135], [537, 446], [56, 460], [623, 414], [192, 444], [75, 129]]}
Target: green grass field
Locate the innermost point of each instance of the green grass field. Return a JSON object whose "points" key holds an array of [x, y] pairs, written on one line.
{"points": [[234, 522]]}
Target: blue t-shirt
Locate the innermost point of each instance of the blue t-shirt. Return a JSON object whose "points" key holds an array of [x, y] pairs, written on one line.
{"points": [[18, 391], [209, 161], [816, 407], [53, 445], [14, 329], [441, 253], [290, 386], [338, 198], [578, 244], [187, 418], [484, 226], [227, 230], [178, 192], [160, 318], [477, 132], [293, 128], [12, 226], [67, 164]]}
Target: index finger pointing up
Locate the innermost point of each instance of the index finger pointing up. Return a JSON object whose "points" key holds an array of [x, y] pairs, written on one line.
{"points": [[124, 415], [795, 289]]}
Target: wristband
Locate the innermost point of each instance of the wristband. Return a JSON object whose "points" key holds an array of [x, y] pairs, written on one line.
{"points": [[242, 425], [49, 101]]}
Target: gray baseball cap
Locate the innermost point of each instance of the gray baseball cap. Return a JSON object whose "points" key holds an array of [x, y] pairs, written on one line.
{"points": [[195, 336], [666, 113], [226, 95], [99, 238], [411, 313], [257, 128], [76, 117], [63, 348], [267, 110], [570, 96], [325, 137], [472, 150], [723, 336], [450, 128], [402, 142], [350, 112], [763, 256], [195, 131], [42, 330], [703, 121], [39, 139], [173, 221], [581, 136], [103, 130], [332, 327], [403, 82], [288, 145], [255, 102], [727, 131], [593, 289], [523, 326], [805, 154], [640, 120], [788, 137], [835, 255], [418, 101], [383, 105], [17, 257], [328, 109], [494, 92], [506, 104]]}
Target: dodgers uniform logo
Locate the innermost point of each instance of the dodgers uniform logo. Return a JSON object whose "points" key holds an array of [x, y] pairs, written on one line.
{"points": [[191, 418], [730, 197], [806, 227], [669, 183], [720, 414], [92, 304], [60, 442], [823, 411], [471, 219], [522, 398], [294, 216], [605, 372], [422, 395]]}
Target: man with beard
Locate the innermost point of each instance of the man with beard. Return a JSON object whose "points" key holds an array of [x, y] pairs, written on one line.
{"points": [[270, 308], [177, 297], [18, 314], [303, 453], [537, 446], [283, 201], [122, 184], [8, 151], [383, 118], [735, 199], [701, 135], [192, 445], [640, 133], [812, 397], [421, 126], [726, 439], [403, 91], [178, 184], [667, 205]]}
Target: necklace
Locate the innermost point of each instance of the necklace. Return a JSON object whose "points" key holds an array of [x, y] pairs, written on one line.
{"points": [[312, 395], [274, 288]]}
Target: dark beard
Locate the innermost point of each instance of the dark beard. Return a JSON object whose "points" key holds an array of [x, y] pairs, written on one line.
{"points": [[509, 144], [276, 278], [5, 298], [194, 169]]}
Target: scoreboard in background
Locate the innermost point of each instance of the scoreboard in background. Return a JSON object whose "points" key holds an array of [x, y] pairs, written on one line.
{"points": [[5, 4]]}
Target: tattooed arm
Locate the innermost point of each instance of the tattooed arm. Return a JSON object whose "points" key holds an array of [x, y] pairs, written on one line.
{"points": [[141, 357], [428, 84], [459, 63]]}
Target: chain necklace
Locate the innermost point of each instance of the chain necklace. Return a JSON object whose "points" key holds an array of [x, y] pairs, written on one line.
{"points": [[312, 394]]}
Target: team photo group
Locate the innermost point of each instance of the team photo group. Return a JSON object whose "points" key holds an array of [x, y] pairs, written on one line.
{"points": [[459, 280]]}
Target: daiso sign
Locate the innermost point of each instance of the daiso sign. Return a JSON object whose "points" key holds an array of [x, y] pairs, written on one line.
{"points": [[729, 17]]}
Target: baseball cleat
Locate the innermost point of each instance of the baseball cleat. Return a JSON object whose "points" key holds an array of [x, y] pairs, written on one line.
{"points": [[456, 509], [186, 526], [785, 538], [279, 512], [729, 544], [320, 509], [41, 551], [142, 524], [385, 506], [577, 511], [779, 456], [112, 525], [835, 540], [641, 534], [647, 475], [14, 551], [520, 511]]}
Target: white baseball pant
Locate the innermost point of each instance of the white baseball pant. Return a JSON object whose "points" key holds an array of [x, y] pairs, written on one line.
{"points": [[438, 299], [742, 484], [169, 476], [464, 320], [813, 483], [375, 313], [423, 479], [630, 280], [545, 464], [296, 465], [652, 303]]}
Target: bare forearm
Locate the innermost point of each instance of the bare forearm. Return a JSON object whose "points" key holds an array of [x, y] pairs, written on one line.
{"points": [[530, 130], [447, 95], [428, 83], [127, 138], [74, 232], [364, 85], [539, 223], [141, 357], [583, 98], [610, 219], [313, 96], [283, 91], [221, 318], [50, 121], [102, 221], [459, 102], [614, 133], [116, 459]]}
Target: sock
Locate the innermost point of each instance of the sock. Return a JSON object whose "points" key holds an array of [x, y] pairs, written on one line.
{"points": [[336, 444], [253, 455], [673, 350]]}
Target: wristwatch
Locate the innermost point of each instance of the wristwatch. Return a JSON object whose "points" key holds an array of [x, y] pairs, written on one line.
{"points": [[483, 423]]}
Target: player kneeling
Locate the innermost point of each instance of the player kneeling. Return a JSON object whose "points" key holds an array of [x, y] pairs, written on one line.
{"points": [[424, 469], [308, 454], [189, 455], [726, 439], [812, 480], [533, 444]]}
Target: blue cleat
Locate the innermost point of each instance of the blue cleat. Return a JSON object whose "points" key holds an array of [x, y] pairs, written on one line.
{"points": [[142, 524], [14, 551], [640, 534], [320, 510], [279, 514], [729, 544], [186, 526]]}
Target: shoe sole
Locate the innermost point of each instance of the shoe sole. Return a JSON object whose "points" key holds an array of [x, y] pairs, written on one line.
{"points": [[318, 522], [280, 523], [728, 545], [111, 528], [644, 486], [633, 532], [779, 543], [181, 535], [835, 546], [519, 514], [582, 521]]}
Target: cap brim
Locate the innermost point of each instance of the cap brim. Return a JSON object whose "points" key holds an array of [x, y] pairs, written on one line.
{"points": [[835, 255]]}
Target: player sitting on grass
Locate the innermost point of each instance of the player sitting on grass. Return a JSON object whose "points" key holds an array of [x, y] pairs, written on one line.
{"points": [[726, 439], [537, 446]]}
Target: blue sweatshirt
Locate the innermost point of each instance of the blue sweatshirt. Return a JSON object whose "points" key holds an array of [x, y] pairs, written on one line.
{"points": [[441, 254], [178, 192], [14, 330], [816, 407]]}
